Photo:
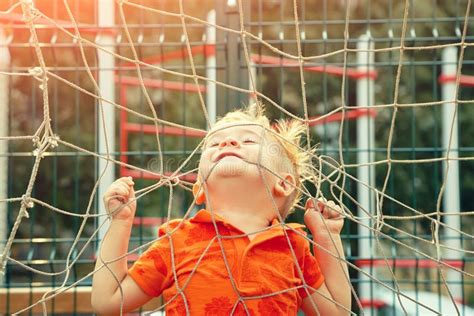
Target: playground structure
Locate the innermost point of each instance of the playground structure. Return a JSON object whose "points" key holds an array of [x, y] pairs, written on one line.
{"points": [[364, 75]]}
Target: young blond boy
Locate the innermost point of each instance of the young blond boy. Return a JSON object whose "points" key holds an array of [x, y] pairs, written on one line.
{"points": [[234, 257]]}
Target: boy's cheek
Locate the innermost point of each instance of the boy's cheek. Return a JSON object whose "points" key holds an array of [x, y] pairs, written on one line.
{"points": [[204, 162], [203, 169]]}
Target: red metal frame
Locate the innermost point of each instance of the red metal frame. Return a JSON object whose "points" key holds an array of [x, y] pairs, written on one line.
{"points": [[165, 130], [127, 127], [210, 50], [464, 80], [337, 117], [206, 50], [331, 70], [160, 84]]}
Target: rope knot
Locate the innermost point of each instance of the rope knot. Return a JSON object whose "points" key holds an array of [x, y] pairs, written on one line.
{"points": [[173, 181], [53, 141], [37, 152], [36, 141], [30, 13], [26, 203], [38, 73]]}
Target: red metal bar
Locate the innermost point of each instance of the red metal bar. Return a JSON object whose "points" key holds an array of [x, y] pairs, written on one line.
{"points": [[164, 130], [331, 70], [337, 117], [190, 177], [464, 80], [160, 84], [209, 50], [16, 18], [206, 50], [374, 303], [408, 263]]}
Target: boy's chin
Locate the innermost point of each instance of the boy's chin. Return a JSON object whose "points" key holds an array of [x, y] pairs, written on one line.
{"points": [[233, 171], [227, 172]]}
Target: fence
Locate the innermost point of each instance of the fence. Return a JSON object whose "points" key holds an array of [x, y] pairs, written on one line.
{"points": [[385, 87]]}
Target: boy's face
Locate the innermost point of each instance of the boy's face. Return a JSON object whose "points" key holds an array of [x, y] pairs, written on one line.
{"points": [[235, 149]]}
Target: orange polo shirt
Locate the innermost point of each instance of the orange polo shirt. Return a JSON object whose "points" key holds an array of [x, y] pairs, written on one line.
{"points": [[219, 275]]}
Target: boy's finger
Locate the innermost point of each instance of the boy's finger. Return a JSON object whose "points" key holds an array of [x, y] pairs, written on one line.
{"points": [[313, 211], [119, 198], [124, 180], [323, 208], [329, 209], [125, 188], [335, 211], [120, 189], [310, 205], [113, 203], [131, 193], [128, 180], [116, 196], [313, 219], [123, 183]]}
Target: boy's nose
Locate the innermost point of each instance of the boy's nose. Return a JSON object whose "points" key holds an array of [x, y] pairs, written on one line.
{"points": [[229, 141]]}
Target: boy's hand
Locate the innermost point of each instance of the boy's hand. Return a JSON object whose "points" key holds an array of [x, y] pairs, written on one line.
{"points": [[119, 199], [330, 222]]}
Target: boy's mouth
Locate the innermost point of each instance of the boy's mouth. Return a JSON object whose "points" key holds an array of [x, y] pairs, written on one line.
{"points": [[227, 154]]}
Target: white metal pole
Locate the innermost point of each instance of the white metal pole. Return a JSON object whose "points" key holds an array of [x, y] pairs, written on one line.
{"points": [[106, 112], [451, 201], [365, 155], [211, 69], [252, 78], [4, 102]]}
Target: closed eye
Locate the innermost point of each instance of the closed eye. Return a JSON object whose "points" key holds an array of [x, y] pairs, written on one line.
{"points": [[212, 143], [249, 141]]}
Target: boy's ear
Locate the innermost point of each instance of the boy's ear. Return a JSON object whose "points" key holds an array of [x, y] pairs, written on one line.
{"points": [[198, 193], [285, 185]]}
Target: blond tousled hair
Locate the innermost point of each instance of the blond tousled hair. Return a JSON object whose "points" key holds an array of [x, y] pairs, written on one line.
{"points": [[288, 134]]}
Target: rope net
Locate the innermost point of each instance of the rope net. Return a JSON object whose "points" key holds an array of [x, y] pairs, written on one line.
{"points": [[369, 87]]}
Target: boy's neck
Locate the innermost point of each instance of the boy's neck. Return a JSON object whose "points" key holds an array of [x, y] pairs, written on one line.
{"points": [[248, 207], [247, 221]]}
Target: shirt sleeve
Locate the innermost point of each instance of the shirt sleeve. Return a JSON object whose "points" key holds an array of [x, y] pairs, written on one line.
{"points": [[151, 270], [311, 272]]}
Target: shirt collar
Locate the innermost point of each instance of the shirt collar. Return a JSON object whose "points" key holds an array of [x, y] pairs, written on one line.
{"points": [[204, 216]]}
